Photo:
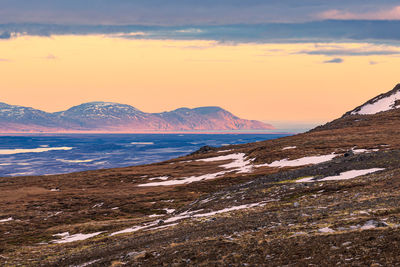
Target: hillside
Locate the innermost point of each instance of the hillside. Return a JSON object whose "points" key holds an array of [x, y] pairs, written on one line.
{"points": [[114, 117], [326, 197]]}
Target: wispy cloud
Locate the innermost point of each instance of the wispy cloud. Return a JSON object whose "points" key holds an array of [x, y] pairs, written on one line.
{"points": [[351, 52], [334, 60], [50, 57], [128, 35], [341, 50], [380, 14], [4, 60]]}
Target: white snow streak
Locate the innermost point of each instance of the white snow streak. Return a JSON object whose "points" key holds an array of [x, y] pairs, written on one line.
{"points": [[163, 178], [351, 174], [289, 147], [342, 176], [299, 162], [134, 229], [380, 105], [66, 238], [7, 219], [239, 165], [326, 230], [361, 150], [185, 215]]}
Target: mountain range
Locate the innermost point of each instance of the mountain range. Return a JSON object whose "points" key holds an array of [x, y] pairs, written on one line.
{"points": [[114, 117]]}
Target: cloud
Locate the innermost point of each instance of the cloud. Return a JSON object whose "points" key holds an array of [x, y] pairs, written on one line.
{"points": [[4, 60], [334, 60], [350, 52], [129, 35], [380, 14], [311, 32], [50, 57], [175, 12]]}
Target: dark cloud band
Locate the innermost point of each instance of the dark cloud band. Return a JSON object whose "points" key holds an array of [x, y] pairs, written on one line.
{"points": [[331, 30], [177, 12]]}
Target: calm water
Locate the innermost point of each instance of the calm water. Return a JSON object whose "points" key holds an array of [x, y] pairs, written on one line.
{"points": [[53, 154]]}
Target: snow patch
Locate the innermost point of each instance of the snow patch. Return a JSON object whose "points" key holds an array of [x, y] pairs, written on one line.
{"points": [[169, 210], [225, 157], [379, 105], [185, 215], [67, 238], [299, 162], [306, 180], [246, 206], [98, 205], [186, 180], [162, 227], [289, 147], [342, 176], [361, 150], [163, 178], [6, 220], [87, 263], [239, 164], [351, 174], [155, 215], [326, 230], [134, 229]]}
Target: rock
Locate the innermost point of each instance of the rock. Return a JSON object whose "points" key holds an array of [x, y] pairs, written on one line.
{"points": [[211, 219], [373, 224], [203, 150], [349, 153], [326, 230], [345, 244]]}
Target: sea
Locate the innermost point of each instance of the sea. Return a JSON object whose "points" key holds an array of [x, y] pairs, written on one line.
{"points": [[46, 154]]}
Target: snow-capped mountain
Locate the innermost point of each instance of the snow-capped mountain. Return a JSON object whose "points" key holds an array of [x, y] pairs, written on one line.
{"points": [[102, 114], [115, 117], [380, 103], [10, 113], [208, 118]]}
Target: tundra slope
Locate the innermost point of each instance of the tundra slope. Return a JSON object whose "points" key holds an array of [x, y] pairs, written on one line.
{"points": [[258, 212]]}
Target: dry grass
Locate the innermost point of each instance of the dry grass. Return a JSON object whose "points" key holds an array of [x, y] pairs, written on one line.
{"points": [[110, 200]]}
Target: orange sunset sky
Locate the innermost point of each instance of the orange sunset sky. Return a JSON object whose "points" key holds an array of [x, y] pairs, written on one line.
{"points": [[254, 81], [306, 61]]}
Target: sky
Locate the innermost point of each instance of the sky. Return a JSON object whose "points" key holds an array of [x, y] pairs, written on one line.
{"points": [[304, 61]]}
